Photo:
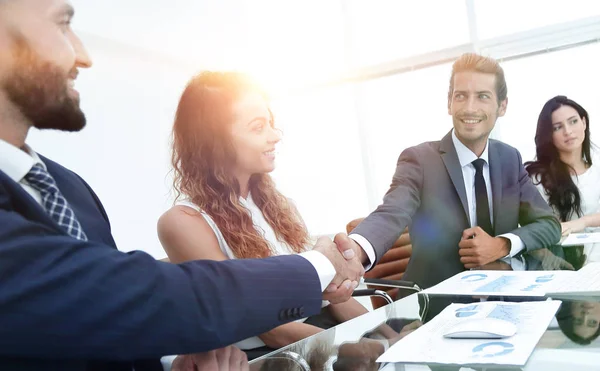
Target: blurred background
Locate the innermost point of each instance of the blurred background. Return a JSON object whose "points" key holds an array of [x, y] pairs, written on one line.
{"points": [[353, 83]]}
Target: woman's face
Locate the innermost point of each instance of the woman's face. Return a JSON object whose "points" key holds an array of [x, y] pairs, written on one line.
{"points": [[568, 130], [586, 318], [254, 138]]}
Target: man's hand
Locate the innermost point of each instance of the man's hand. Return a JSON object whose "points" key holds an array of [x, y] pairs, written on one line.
{"points": [[478, 248], [364, 354], [225, 359], [349, 269], [405, 331], [346, 243], [359, 356]]}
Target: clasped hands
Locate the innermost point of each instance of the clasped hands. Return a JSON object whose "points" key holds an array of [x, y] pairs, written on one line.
{"points": [[363, 355], [477, 248], [347, 258]]}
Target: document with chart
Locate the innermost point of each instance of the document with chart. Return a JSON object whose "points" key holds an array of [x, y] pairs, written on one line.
{"points": [[575, 239], [427, 345], [521, 283], [584, 282]]}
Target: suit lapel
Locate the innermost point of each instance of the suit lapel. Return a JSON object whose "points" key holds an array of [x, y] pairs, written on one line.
{"points": [[81, 200], [24, 204], [495, 178], [452, 164]]}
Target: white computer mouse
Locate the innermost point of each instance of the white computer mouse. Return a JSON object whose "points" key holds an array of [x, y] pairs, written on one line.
{"points": [[481, 328]]}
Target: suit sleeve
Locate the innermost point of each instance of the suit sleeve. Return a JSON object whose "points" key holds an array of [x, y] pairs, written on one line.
{"points": [[383, 226], [539, 227], [64, 298]]}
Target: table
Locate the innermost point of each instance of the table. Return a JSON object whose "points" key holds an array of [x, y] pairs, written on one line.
{"points": [[570, 342]]}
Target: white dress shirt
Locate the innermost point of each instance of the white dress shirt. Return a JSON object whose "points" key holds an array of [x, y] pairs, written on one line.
{"points": [[16, 163], [466, 157]]}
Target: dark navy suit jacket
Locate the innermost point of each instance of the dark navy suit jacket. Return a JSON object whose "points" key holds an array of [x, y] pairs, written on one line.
{"points": [[72, 305]]}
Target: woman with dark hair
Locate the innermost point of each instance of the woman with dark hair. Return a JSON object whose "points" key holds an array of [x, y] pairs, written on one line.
{"points": [[567, 167], [227, 206], [579, 320]]}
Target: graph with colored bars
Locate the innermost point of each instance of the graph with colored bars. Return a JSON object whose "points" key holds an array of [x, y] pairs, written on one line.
{"points": [[503, 283], [492, 349], [506, 312], [498, 285]]}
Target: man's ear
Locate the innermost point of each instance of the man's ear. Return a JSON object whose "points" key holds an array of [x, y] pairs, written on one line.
{"points": [[502, 107]]}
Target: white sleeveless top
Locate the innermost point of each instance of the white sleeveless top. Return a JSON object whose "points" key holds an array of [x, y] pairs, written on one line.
{"points": [[264, 229], [588, 185]]}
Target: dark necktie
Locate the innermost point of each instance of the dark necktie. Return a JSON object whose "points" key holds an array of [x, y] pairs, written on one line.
{"points": [[54, 202], [481, 196]]}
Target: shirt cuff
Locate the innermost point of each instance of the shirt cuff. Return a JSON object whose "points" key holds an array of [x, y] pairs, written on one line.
{"points": [[385, 343], [516, 244], [322, 265], [367, 248]]}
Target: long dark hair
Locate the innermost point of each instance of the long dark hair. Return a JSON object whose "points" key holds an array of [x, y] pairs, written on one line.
{"points": [[549, 170], [566, 323]]}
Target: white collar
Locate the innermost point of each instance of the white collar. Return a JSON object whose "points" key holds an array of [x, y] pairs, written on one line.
{"points": [[465, 155], [15, 162]]}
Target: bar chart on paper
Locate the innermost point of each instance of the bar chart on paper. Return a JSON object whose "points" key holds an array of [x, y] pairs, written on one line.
{"points": [[585, 281], [427, 345]]}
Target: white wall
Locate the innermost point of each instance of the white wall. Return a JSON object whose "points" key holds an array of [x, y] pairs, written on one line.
{"points": [[129, 98], [533, 81], [148, 50]]}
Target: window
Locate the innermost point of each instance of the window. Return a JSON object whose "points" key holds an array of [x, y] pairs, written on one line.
{"points": [[384, 30], [402, 111], [124, 152], [319, 164], [293, 43], [533, 81], [497, 18]]}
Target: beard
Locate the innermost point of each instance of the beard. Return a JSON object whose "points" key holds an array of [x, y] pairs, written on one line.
{"points": [[39, 89]]}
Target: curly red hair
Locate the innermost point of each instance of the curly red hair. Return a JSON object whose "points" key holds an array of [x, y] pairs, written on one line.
{"points": [[202, 159]]}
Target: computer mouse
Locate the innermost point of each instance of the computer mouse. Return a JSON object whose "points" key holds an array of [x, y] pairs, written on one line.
{"points": [[481, 328]]}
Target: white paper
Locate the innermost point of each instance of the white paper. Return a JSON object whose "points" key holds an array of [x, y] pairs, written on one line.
{"points": [[503, 283], [581, 238], [427, 345], [585, 281]]}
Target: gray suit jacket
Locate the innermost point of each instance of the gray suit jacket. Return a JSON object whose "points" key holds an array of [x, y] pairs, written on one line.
{"points": [[428, 195]]}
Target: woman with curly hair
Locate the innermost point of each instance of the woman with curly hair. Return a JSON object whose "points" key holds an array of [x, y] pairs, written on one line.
{"points": [[227, 204]]}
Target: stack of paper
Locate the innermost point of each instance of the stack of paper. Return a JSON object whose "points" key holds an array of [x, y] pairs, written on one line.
{"points": [[581, 239], [428, 346], [586, 281]]}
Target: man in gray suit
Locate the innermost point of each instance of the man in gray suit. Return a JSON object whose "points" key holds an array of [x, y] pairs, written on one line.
{"points": [[466, 199]]}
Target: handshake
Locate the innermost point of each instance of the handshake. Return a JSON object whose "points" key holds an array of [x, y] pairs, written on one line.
{"points": [[347, 258]]}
